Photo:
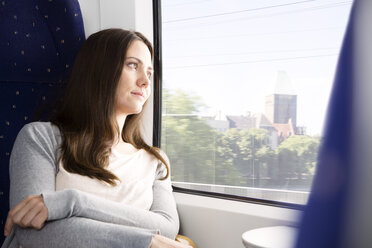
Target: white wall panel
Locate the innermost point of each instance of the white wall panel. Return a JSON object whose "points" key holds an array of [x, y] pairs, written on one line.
{"points": [[117, 14], [218, 223], [90, 10]]}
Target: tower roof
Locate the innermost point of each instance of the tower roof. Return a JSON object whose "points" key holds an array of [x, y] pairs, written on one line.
{"points": [[283, 84]]}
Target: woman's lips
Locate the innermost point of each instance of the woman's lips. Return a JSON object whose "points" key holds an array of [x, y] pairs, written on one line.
{"points": [[139, 94]]}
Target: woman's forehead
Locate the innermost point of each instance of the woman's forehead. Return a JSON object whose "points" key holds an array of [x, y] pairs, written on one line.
{"points": [[138, 49]]}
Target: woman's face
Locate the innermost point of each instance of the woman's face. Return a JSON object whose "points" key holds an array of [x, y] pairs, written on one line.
{"points": [[134, 85]]}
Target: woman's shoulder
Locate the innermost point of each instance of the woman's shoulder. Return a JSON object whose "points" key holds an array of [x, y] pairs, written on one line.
{"points": [[40, 130], [162, 169], [159, 151], [40, 127]]}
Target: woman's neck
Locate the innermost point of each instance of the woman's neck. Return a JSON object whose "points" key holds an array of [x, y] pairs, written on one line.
{"points": [[119, 145], [124, 148], [120, 119]]}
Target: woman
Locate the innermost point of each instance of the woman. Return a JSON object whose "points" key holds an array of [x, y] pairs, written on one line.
{"points": [[88, 179]]}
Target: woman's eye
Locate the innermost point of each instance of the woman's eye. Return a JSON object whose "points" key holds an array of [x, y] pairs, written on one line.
{"points": [[133, 65], [149, 74]]}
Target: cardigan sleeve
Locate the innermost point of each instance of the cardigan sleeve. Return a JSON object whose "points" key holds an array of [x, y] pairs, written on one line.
{"points": [[32, 167], [32, 172], [162, 216], [83, 233]]}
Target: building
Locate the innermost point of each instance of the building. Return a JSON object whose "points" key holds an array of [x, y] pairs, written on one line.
{"points": [[280, 118], [281, 105]]}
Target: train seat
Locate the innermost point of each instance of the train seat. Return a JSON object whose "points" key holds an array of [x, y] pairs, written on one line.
{"points": [[39, 40]]}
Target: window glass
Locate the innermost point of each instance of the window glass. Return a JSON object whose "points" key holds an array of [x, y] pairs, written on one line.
{"points": [[245, 90]]}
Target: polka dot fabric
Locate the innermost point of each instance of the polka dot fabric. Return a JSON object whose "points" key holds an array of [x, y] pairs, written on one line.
{"points": [[39, 40]]}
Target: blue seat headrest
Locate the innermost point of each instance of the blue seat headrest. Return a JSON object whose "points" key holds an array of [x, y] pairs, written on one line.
{"points": [[39, 39]]}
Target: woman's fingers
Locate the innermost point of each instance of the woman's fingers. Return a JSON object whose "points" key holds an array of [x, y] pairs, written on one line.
{"points": [[22, 210], [31, 212], [159, 241], [39, 220], [8, 225], [14, 216]]}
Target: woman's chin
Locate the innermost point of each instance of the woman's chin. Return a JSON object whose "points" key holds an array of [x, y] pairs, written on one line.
{"points": [[138, 110]]}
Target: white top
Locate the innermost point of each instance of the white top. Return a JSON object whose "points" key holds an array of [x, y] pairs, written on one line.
{"points": [[136, 172], [270, 237]]}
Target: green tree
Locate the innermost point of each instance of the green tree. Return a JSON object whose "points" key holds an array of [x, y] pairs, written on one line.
{"points": [[228, 156], [179, 102], [265, 157], [297, 155], [191, 143], [255, 153], [187, 140], [248, 152], [198, 153]]}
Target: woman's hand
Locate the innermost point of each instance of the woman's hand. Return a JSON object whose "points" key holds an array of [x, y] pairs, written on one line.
{"points": [[31, 212], [159, 241]]}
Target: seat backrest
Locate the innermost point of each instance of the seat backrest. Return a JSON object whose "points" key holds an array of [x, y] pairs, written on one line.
{"points": [[39, 40], [338, 213]]}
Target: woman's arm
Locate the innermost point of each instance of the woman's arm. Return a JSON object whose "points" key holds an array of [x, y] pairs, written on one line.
{"points": [[162, 215], [32, 172], [81, 232], [33, 159]]}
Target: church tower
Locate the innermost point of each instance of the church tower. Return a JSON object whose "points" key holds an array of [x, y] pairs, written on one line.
{"points": [[281, 106]]}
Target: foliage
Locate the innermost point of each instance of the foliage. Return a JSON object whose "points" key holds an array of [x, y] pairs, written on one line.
{"points": [[297, 155], [200, 154]]}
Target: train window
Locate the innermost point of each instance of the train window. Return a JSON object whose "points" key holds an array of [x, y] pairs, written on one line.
{"points": [[245, 86]]}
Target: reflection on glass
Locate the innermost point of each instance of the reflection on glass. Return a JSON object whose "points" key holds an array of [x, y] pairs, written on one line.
{"points": [[246, 85]]}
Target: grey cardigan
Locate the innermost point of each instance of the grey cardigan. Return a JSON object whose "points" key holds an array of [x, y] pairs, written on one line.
{"points": [[75, 218]]}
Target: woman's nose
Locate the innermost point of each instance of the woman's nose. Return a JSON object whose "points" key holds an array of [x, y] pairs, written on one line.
{"points": [[144, 80]]}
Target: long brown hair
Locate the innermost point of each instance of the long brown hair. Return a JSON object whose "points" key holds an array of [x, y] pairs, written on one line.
{"points": [[86, 114]]}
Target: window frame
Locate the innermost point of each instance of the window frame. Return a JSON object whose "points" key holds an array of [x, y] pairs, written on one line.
{"points": [[157, 119]]}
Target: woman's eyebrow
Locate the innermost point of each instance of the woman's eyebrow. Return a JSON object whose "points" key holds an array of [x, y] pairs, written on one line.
{"points": [[139, 61]]}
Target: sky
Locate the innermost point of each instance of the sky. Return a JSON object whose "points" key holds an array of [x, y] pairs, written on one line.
{"points": [[230, 52]]}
